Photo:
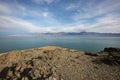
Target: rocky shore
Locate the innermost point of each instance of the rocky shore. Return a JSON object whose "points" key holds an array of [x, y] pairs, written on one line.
{"points": [[56, 63]]}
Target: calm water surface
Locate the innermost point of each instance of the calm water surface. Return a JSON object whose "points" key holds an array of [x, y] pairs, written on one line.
{"points": [[75, 42]]}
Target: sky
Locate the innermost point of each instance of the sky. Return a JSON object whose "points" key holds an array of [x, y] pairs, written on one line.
{"points": [[42, 16]]}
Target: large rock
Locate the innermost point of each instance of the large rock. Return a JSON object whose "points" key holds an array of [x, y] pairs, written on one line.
{"points": [[111, 49]]}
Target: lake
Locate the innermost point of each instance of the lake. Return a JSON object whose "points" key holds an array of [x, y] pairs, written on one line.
{"points": [[93, 44]]}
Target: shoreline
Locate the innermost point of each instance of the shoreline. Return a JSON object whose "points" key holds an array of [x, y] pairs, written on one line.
{"points": [[50, 45]]}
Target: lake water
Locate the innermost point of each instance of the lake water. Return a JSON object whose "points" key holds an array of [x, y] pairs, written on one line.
{"points": [[74, 42]]}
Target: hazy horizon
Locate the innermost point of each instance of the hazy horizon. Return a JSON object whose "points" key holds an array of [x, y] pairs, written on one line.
{"points": [[42, 16]]}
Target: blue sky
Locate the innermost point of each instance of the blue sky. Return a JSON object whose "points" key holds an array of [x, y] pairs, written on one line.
{"points": [[40, 16]]}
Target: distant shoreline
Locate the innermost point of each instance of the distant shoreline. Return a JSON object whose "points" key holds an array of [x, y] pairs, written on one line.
{"points": [[82, 34]]}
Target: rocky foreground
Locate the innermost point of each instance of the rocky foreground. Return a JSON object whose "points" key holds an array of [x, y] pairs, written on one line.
{"points": [[56, 63]]}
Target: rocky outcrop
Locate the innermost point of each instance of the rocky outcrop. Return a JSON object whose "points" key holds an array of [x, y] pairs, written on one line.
{"points": [[111, 49], [112, 55], [55, 63]]}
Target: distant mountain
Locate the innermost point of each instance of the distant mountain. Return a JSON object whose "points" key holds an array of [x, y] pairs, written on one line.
{"points": [[72, 34]]}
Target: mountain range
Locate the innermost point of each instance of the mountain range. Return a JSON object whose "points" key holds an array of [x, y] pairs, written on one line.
{"points": [[95, 34]]}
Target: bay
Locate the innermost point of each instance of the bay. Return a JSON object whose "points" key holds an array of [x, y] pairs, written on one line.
{"points": [[93, 44]]}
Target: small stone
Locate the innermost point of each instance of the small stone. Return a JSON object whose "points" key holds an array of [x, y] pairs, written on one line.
{"points": [[61, 79], [18, 67], [17, 74], [10, 73], [52, 78], [25, 78]]}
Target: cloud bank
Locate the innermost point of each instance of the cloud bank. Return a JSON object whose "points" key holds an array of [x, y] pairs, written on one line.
{"points": [[40, 16]]}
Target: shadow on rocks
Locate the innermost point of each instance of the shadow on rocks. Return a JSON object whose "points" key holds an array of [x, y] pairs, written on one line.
{"points": [[21, 71], [6, 74], [106, 61], [3, 73], [91, 54]]}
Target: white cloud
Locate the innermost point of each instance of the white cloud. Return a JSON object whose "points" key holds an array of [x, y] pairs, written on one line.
{"points": [[72, 6], [4, 9], [105, 24], [109, 23], [14, 24], [45, 14], [38, 16], [93, 9]]}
